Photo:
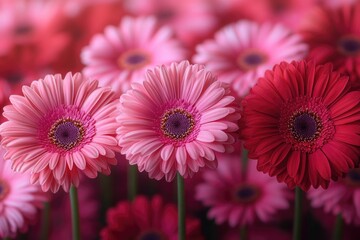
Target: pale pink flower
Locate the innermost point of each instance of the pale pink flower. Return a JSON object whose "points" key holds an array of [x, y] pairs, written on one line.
{"points": [[239, 198], [121, 55], [19, 200], [192, 20], [241, 52], [59, 129], [176, 120], [342, 197]]}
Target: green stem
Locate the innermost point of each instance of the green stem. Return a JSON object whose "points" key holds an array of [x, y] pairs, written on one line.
{"points": [[45, 222], [132, 182], [107, 195], [181, 207], [338, 231], [244, 160], [75, 213], [297, 215], [244, 164], [243, 233]]}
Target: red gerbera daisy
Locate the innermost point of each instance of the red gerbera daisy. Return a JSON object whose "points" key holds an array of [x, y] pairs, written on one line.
{"points": [[302, 124], [145, 219], [334, 36]]}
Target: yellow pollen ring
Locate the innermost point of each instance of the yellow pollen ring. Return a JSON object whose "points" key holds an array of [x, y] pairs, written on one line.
{"points": [[165, 118], [56, 142], [134, 59], [297, 137]]}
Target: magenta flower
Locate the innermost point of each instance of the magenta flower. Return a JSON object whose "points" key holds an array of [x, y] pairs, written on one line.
{"points": [[241, 199], [19, 200], [122, 54], [176, 120], [342, 197], [241, 52], [59, 129]]}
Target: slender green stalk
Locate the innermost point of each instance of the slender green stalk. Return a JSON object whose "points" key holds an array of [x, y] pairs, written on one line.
{"points": [[244, 164], [338, 231], [244, 160], [132, 182], [181, 207], [75, 213], [107, 194], [243, 233], [45, 222], [297, 215]]}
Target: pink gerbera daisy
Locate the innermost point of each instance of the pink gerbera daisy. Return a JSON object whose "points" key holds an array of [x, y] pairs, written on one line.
{"points": [[176, 120], [192, 20], [341, 197], [122, 54], [241, 52], [19, 200], [240, 198], [146, 219], [301, 121], [60, 128], [333, 35]]}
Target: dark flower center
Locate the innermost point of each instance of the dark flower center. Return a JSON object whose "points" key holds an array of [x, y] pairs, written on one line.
{"points": [[4, 190], [23, 29], [133, 59], [151, 235], [66, 133], [165, 14], [251, 59], [279, 6], [349, 45], [14, 77], [247, 193], [305, 126], [177, 123], [353, 177]]}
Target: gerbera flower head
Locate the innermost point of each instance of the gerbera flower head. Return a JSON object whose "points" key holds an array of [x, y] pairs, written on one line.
{"points": [[59, 128], [176, 121], [301, 123], [333, 35], [241, 52], [122, 54], [342, 197], [146, 219], [239, 198], [192, 20], [19, 200]]}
